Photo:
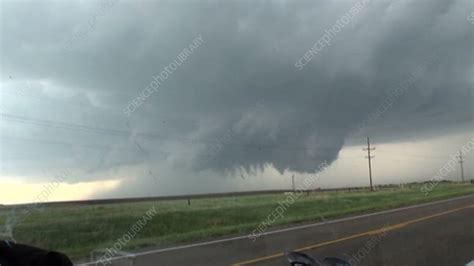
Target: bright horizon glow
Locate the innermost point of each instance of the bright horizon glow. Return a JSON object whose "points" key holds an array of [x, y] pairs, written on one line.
{"points": [[18, 192]]}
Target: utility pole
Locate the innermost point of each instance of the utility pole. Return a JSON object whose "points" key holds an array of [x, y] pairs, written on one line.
{"points": [[369, 149], [461, 162], [293, 182]]}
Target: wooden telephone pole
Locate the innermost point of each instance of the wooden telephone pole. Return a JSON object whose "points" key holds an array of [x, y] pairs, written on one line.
{"points": [[369, 157], [293, 182], [461, 162]]}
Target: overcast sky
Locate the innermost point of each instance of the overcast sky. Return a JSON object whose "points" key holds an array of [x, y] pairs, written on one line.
{"points": [[237, 113]]}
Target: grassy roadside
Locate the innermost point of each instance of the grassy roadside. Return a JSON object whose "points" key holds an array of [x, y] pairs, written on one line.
{"points": [[79, 229]]}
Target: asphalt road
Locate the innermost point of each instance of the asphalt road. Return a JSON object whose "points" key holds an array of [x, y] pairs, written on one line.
{"points": [[440, 233]]}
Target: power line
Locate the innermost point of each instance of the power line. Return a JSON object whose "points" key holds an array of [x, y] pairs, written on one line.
{"points": [[413, 156], [64, 143], [63, 125], [22, 95], [129, 133], [125, 133], [69, 103], [104, 148]]}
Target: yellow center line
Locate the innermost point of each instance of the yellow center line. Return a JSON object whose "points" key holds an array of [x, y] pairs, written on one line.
{"points": [[368, 233]]}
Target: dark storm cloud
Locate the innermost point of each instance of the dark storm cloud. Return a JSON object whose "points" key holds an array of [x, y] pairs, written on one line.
{"points": [[205, 112]]}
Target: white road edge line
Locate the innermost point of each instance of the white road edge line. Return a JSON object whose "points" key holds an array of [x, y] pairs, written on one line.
{"points": [[280, 230]]}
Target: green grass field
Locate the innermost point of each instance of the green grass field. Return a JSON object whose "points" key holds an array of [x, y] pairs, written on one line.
{"points": [[79, 229]]}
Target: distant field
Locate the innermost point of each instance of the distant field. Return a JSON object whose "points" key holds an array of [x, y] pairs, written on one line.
{"points": [[77, 229]]}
